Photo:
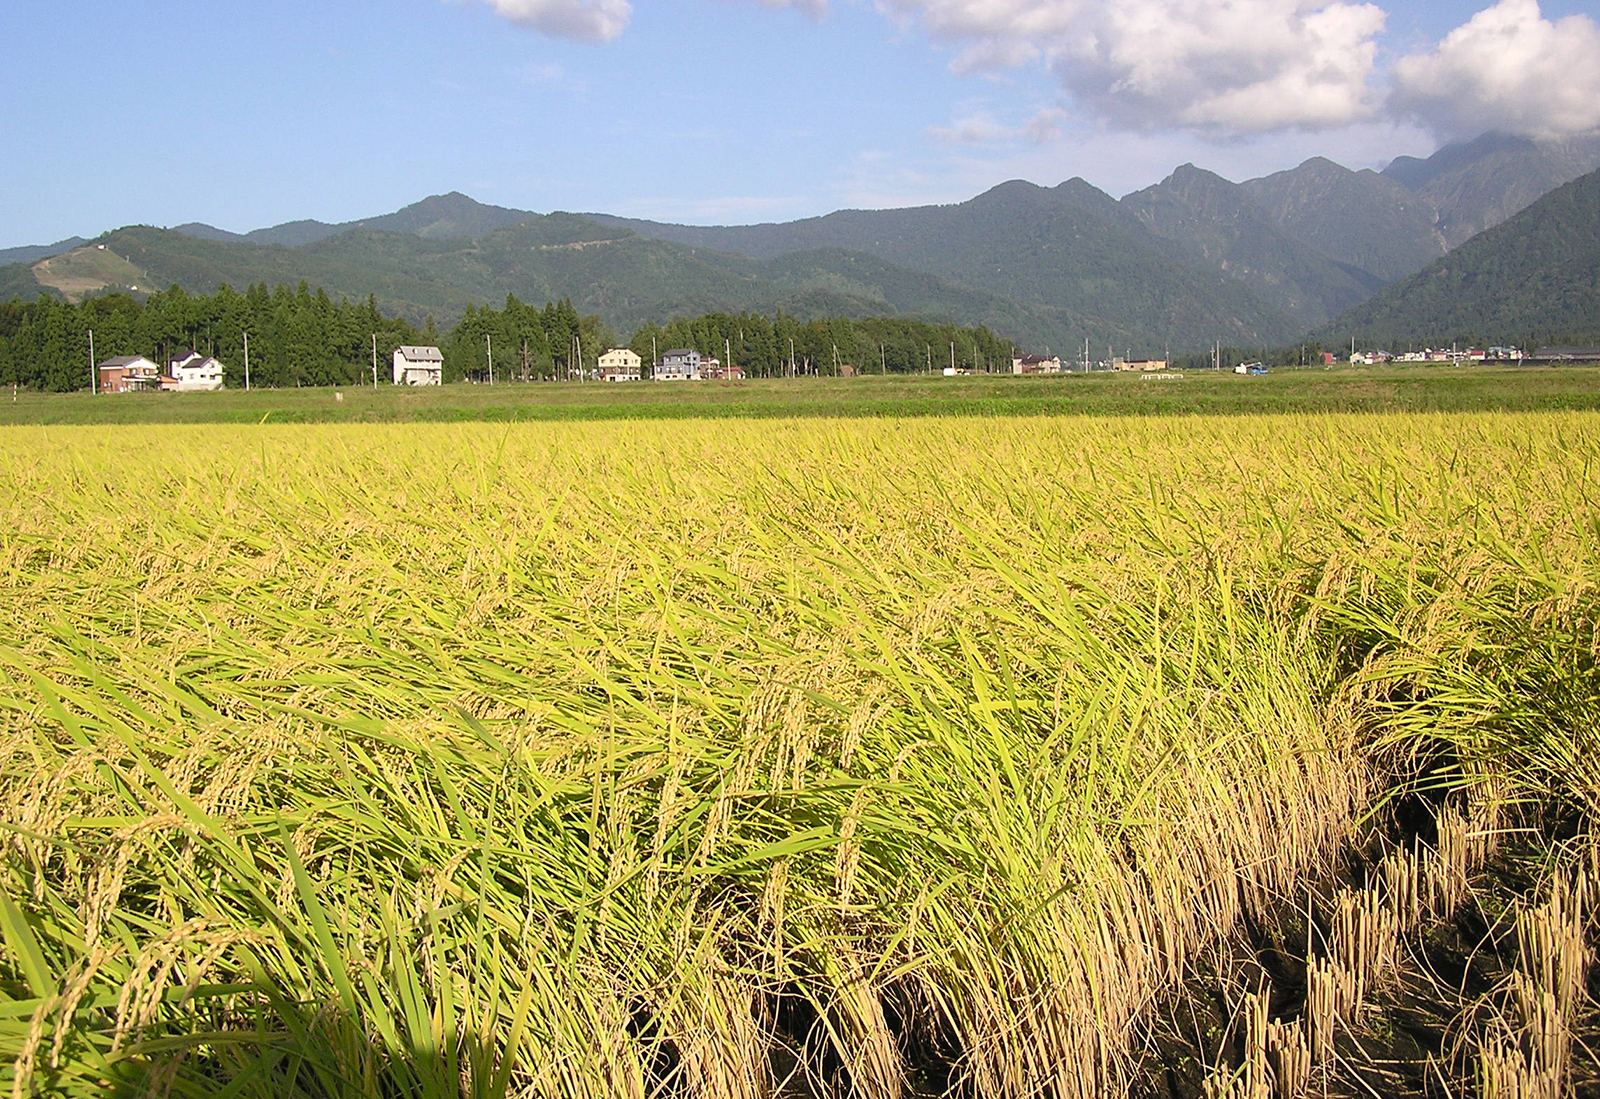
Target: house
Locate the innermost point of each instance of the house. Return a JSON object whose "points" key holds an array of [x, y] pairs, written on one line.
{"points": [[418, 365], [711, 368], [620, 365], [195, 372], [1143, 364], [679, 365], [1036, 364], [128, 374]]}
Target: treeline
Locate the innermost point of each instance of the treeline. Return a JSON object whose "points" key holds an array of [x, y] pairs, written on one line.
{"points": [[1296, 354], [766, 347], [533, 343], [527, 343], [303, 337], [297, 337]]}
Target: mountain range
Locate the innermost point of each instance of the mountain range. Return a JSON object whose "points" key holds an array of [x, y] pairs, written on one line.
{"points": [[1533, 278], [1192, 259]]}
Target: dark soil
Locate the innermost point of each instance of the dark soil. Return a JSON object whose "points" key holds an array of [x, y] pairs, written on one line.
{"points": [[1416, 1036]]}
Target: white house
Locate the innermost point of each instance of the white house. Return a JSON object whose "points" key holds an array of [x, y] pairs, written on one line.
{"points": [[620, 365], [194, 371], [678, 365], [418, 365]]}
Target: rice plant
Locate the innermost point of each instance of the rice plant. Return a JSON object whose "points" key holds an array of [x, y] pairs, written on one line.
{"points": [[720, 760]]}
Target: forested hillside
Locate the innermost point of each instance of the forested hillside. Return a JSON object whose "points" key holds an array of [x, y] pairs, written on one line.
{"points": [[1216, 223], [1530, 280], [1070, 247]]}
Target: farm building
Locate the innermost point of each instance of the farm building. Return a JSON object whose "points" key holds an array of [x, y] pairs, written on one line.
{"points": [[620, 365], [1565, 355], [129, 374], [194, 371], [679, 365], [711, 368], [418, 365]]}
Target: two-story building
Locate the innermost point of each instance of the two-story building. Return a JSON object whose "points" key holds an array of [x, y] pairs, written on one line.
{"points": [[415, 365], [1036, 364], [128, 374], [196, 372], [678, 365], [712, 369], [620, 365]]}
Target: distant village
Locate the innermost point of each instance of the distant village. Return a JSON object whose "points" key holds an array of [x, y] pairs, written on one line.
{"points": [[422, 365]]}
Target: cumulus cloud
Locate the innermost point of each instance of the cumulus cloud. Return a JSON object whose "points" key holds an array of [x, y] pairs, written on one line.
{"points": [[584, 20], [1223, 67], [1507, 69]]}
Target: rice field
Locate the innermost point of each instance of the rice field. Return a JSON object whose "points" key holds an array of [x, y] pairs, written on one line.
{"points": [[789, 757]]}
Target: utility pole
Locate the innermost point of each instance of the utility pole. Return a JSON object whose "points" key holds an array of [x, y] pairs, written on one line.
{"points": [[727, 360], [791, 356], [247, 361], [488, 347], [374, 360], [655, 359], [94, 375], [952, 356]]}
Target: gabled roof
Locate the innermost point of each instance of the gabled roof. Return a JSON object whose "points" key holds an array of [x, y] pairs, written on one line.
{"points": [[419, 354], [122, 360], [679, 353]]}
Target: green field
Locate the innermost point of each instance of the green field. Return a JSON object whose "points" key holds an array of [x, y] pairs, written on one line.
{"points": [[1382, 389], [997, 756]]}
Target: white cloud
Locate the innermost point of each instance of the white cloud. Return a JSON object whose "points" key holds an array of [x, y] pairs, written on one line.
{"points": [[1221, 67], [1506, 69], [584, 20], [814, 8], [978, 127]]}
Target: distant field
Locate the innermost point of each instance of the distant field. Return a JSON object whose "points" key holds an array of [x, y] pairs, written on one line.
{"points": [[1410, 389]]}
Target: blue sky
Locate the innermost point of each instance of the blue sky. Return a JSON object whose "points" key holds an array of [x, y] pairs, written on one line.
{"points": [[245, 114]]}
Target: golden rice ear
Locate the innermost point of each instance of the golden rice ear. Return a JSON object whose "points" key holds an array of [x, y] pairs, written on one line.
{"points": [[565, 763]]}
